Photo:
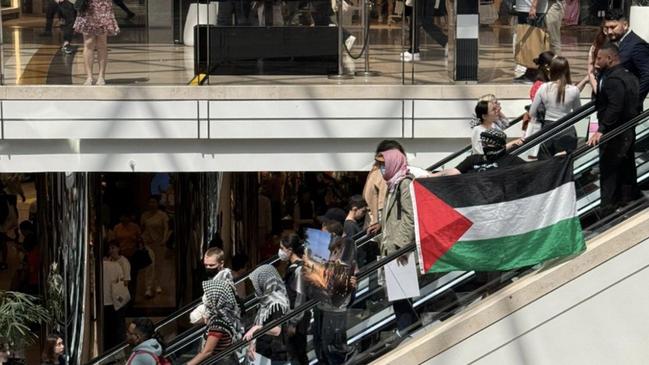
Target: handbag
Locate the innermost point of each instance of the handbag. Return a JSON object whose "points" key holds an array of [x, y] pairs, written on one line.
{"points": [[530, 42], [81, 5], [141, 259], [120, 294]]}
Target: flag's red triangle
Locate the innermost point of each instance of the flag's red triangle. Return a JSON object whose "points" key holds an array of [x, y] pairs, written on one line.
{"points": [[439, 225]]}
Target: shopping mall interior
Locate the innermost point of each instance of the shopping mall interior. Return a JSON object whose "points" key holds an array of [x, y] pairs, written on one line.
{"points": [[233, 130]]}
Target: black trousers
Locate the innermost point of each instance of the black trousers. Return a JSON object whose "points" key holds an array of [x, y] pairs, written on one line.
{"points": [[66, 11], [330, 336], [240, 9], [296, 346], [423, 17], [406, 315], [618, 176], [114, 327]]}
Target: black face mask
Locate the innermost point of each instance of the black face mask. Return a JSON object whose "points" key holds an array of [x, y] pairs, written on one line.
{"points": [[211, 272]]}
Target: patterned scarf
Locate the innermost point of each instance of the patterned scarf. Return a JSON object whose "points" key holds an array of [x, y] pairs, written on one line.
{"points": [[396, 168], [271, 291], [222, 306]]}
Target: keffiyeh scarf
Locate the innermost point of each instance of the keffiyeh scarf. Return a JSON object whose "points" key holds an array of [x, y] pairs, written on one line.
{"points": [[222, 306], [271, 291]]}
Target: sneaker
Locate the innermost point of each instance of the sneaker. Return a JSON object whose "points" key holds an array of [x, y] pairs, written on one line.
{"points": [[409, 57], [100, 81], [89, 81], [349, 42], [67, 49], [522, 80], [130, 15], [148, 294], [158, 290]]}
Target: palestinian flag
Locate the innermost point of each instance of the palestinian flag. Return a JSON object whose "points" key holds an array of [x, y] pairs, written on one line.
{"points": [[499, 219]]}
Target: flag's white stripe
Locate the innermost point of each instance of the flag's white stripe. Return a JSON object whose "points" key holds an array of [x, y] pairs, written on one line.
{"points": [[520, 216]]}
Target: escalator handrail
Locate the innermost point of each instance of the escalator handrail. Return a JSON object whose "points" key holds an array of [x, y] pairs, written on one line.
{"points": [[538, 138], [360, 239], [464, 150], [555, 128], [367, 270]]}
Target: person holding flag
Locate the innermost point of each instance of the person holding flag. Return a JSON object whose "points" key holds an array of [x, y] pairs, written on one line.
{"points": [[397, 222]]}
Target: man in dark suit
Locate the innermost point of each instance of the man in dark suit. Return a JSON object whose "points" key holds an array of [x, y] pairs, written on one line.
{"points": [[617, 102], [634, 51]]}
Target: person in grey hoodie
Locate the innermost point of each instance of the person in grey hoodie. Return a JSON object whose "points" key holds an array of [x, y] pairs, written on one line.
{"points": [[147, 350]]}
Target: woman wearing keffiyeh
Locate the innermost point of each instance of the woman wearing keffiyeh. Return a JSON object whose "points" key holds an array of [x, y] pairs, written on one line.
{"points": [[224, 322], [273, 304]]}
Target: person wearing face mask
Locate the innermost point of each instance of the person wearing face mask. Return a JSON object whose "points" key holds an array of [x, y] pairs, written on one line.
{"points": [[495, 155], [214, 264], [398, 224], [291, 250], [146, 349]]}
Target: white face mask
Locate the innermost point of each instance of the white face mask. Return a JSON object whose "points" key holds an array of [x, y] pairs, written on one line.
{"points": [[282, 255]]}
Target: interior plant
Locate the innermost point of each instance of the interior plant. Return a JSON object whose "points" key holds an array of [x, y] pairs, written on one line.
{"points": [[19, 312]]}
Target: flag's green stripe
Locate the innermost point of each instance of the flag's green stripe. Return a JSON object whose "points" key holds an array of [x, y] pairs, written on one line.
{"points": [[510, 252]]}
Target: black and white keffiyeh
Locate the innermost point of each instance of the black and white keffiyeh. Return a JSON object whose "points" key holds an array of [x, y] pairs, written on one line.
{"points": [[222, 306], [271, 291]]}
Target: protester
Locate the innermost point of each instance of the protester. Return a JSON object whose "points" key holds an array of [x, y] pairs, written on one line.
{"points": [[54, 352], [223, 322], [214, 264], [398, 227], [558, 98], [617, 102], [356, 209], [375, 188], [633, 50], [146, 349], [495, 155], [273, 304], [292, 250], [330, 314], [96, 22]]}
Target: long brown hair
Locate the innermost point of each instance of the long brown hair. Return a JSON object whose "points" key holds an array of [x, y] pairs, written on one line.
{"points": [[598, 42], [49, 353], [560, 73]]}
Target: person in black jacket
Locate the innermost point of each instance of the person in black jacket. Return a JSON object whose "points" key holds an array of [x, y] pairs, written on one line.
{"points": [[634, 51], [617, 102]]}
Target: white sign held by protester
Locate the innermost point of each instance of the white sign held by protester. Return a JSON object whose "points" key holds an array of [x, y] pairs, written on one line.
{"points": [[401, 280]]}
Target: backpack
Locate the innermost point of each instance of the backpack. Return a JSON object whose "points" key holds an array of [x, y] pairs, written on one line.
{"points": [[159, 360]]}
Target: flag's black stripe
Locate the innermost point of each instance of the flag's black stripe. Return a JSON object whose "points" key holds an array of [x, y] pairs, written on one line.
{"points": [[501, 184]]}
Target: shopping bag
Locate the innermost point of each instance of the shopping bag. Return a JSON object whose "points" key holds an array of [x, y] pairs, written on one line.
{"points": [[530, 42], [120, 294]]}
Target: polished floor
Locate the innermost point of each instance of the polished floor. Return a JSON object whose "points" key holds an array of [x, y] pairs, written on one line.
{"points": [[138, 57]]}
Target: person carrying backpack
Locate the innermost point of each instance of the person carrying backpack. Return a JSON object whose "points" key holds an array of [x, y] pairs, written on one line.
{"points": [[147, 350]]}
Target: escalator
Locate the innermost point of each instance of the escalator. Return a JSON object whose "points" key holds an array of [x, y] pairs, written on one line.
{"points": [[371, 324]]}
